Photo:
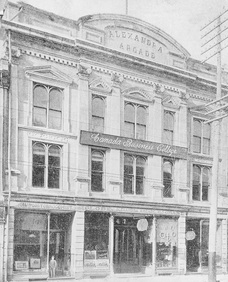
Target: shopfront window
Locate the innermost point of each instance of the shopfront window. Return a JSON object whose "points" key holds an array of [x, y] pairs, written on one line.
{"points": [[166, 243], [96, 242], [35, 243]]}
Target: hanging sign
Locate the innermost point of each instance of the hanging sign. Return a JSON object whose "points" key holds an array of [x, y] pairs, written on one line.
{"points": [[190, 235], [142, 224]]}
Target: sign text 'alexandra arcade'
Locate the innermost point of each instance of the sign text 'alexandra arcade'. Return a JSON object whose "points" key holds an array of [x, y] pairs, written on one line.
{"points": [[128, 144]]}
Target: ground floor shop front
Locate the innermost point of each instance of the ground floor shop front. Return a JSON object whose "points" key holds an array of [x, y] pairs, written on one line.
{"points": [[48, 240]]}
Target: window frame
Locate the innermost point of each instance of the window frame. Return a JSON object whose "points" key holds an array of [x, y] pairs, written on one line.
{"points": [[47, 146], [200, 184], [172, 131], [136, 105], [48, 108], [134, 174], [103, 98], [201, 137], [103, 153]]}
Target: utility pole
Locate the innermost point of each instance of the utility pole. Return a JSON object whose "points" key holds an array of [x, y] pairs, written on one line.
{"points": [[213, 35]]}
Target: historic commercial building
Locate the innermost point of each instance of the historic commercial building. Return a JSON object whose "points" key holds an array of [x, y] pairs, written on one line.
{"points": [[106, 154]]}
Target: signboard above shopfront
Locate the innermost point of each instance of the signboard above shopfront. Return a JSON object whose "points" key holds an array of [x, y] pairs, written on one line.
{"points": [[133, 145]]}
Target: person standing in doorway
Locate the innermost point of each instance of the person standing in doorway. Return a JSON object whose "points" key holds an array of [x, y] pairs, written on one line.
{"points": [[52, 265]]}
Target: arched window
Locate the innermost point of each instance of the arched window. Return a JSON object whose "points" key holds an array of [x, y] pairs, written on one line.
{"points": [[135, 121], [134, 174], [46, 165], [97, 172], [200, 183], [47, 106], [98, 113], [167, 178], [168, 127]]}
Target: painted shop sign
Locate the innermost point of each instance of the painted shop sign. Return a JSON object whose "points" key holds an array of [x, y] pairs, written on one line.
{"points": [[127, 210], [135, 43], [40, 206], [133, 145]]}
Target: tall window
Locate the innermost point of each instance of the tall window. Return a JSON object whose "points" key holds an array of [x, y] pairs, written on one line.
{"points": [[167, 178], [168, 127], [97, 171], [135, 121], [98, 113], [46, 165], [47, 106], [200, 183], [134, 174], [201, 137]]}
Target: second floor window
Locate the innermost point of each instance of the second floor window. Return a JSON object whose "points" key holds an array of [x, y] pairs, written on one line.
{"points": [[200, 183], [47, 106], [135, 121], [201, 137], [167, 178], [97, 173], [98, 113], [134, 174], [168, 127], [46, 164]]}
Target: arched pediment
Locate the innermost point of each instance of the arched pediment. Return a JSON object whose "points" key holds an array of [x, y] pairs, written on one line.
{"points": [[48, 73], [100, 85], [138, 93]]}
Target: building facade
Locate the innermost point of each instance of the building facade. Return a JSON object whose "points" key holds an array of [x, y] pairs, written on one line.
{"points": [[106, 154]]}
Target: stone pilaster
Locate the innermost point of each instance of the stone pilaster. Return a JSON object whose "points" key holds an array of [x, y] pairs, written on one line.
{"points": [[181, 244], [77, 244], [224, 245], [111, 243]]}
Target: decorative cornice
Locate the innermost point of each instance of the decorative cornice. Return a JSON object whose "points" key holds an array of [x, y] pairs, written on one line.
{"points": [[138, 93], [100, 85]]}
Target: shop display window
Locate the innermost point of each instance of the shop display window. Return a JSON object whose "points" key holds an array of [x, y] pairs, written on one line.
{"points": [[96, 253], [166, 243]]}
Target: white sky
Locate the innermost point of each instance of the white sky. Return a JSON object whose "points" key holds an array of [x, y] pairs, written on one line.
{"points": [[181, 19]]}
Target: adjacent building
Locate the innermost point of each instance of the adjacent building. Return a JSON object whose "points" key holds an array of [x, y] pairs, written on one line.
{"points": [[106, 154]]}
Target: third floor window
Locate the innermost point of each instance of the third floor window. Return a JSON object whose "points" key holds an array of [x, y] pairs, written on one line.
{"points": [[168, 129], [135, 121], [47, 106], [98, 113], [201, 137]]}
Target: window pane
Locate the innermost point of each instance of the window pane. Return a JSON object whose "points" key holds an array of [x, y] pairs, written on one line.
{"points": [[205, 184], [140, 169], [97, 171], [53, 177], [98, 124], [129, 113], [206, 146], [96, 182], [55, 119], [40, 97], [168, 121], [98, 107], [141, 131], [197, 130], [38, 169], [55, 100], [139, 185], [196, 144], [39, 117], [167, 179], [141, 115], [168, 137], [128, 174], [196, 183], [129, 129], [207, 131]]}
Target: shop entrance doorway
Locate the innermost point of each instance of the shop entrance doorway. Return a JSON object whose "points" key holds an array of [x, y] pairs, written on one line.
{"points": [[131, 251], [197, 245]]}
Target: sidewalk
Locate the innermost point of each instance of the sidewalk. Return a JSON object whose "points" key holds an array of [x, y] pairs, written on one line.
{"points": [[140, 278]]}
